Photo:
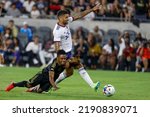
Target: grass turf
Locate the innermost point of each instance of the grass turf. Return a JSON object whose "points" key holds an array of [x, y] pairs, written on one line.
{"points": [[128, 85]]}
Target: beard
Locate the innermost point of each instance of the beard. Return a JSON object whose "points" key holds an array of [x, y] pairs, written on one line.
{"points": [[66, 22]]}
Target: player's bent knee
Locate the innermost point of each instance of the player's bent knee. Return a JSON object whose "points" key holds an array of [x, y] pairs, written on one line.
{"points": [[80, 66], [69, 72]]}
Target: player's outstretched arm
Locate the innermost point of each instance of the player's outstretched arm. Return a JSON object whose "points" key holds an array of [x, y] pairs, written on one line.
{"points": [[84, 13]]}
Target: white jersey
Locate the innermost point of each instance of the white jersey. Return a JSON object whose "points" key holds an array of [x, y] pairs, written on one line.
{"points": [[63, 35], [35, 48], [108, 49]]}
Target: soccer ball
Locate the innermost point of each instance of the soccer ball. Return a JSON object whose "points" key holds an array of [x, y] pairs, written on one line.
{"points": [[108, 90]]}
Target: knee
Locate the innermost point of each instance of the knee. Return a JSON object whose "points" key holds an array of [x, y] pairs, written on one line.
{"points": [[80, 66], [69, 73]]}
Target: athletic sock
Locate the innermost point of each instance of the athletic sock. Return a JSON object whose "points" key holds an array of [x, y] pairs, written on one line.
{"points": [[21, 84], [61, 77], [83, 73]]}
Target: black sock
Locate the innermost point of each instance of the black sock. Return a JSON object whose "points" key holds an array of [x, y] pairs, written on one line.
{"points": [[21, 84]]}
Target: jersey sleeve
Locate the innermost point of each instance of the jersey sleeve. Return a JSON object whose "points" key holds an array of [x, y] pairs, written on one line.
{"points": [[57, 36], [29, 47], [105, 47], [51, 68], [53, 65]]}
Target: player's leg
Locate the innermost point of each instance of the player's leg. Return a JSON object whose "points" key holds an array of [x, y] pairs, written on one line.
{"points": [[31, 83], [61, 77], [66, 73], [38, 88], [75, 61], [33, 89], [45, 87], [84, 74], [18, 84]]}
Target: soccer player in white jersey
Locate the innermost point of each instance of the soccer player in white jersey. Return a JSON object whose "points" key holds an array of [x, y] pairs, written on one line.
{"points": [[63, 40]]}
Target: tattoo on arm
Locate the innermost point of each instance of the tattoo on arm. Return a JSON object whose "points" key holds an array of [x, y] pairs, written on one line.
{"points": [[82, 14]]}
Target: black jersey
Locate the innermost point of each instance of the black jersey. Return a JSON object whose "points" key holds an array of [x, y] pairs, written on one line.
{"points": [[54, 67]]}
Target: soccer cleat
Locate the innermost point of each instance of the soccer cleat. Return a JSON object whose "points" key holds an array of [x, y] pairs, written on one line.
{"points": [[96, 86], [10, 87]]}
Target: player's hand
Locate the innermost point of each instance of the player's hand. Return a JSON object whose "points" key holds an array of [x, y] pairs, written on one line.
{"points": [[55, 88], [97, 7]]}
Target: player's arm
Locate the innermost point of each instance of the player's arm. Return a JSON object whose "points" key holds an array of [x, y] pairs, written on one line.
{"points": [[84, 13], [57, 39], [51, 79], [57, 45]]}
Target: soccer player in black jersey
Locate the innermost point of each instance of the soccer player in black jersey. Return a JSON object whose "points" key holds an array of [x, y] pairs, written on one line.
{"points": [[45, 78]]}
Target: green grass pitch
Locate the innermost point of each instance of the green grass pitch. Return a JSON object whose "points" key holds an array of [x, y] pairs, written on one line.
{"points": [[128, 85]]}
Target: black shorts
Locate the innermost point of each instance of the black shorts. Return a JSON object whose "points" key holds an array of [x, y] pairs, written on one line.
{"points": [[40, 79]]}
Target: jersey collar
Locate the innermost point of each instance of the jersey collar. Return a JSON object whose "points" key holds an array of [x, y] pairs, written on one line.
{"points": [[61, 25]]}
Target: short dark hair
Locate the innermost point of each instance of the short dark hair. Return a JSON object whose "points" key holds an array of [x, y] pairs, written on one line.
{"points": [[62, 12], [61, 52], [11, 21], [35, 36], [68, 10]]}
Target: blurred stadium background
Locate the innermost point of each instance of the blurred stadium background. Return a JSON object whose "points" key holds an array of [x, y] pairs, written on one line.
{"points": [[120, 28]]}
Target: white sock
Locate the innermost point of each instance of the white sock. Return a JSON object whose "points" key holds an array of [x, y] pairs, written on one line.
{"points": [[61, 77], [86, 76]]}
